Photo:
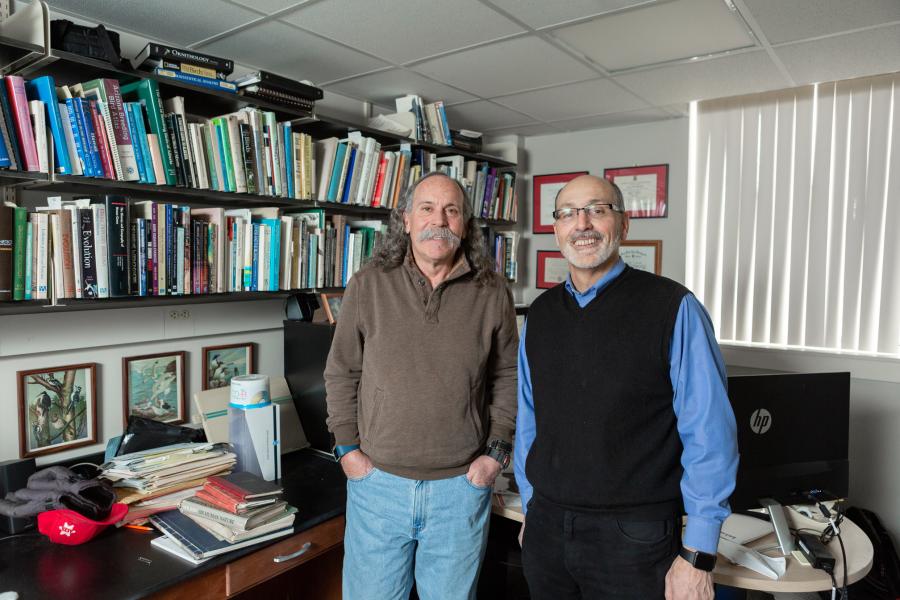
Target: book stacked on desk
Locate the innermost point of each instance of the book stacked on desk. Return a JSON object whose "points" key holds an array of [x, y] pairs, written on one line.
{"points": [[229, 512], [279, 90]]}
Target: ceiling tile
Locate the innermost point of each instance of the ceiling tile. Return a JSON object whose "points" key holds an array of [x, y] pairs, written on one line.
{"points": [[271, 6], [525, 130], [540, 13], [175, 21], [743, 73], [482, 115], [384, 86], [871, 52], [657, 33], [404, 30], [613, 120], [506, 67], [288, 51], [782, 21], [575, 100]]}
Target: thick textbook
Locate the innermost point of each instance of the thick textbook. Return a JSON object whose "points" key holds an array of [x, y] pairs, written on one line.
{"points": [[197, 541]]}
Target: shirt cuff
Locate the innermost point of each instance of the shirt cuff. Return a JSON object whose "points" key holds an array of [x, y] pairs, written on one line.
{"points": [[702, 534], [499, 433], [346, 435]]}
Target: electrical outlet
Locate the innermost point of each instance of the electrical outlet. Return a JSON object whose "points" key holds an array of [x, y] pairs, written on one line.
{"points": [[179, 315]]}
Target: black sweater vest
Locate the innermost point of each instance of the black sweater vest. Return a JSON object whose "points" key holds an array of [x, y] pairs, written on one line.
{"points": [[606, 431]]}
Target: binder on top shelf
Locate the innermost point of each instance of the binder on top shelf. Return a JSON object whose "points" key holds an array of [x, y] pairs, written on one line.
{"points": [[267, 80]]}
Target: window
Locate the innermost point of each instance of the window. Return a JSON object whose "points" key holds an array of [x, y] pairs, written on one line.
{"points": [[793, 230]]}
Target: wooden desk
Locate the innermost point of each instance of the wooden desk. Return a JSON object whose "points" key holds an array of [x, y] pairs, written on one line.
{"points": [[797, 577]]}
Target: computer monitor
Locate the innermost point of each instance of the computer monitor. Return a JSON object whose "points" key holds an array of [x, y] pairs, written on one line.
{"points": [[792, 435]]}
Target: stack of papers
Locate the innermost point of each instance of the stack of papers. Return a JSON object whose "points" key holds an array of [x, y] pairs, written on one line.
{"points": [[160, 471]]}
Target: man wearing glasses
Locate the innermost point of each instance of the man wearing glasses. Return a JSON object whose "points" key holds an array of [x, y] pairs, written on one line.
{"points": [[623, 421]]}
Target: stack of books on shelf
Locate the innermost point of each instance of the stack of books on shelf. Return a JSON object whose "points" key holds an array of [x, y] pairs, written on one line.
{"points": [[431, 124], [503, 247], [227, 513], [189, 66], [280, 90], [141, 476], [129, 133], [114, 247]]}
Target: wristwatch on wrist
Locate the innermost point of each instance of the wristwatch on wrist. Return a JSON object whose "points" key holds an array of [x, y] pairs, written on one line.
{"points": [[340, 451], [699, 560], [499, 451]]}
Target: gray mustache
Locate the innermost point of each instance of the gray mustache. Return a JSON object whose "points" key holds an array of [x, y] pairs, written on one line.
{"points": [[440, 233], [585, 235]]}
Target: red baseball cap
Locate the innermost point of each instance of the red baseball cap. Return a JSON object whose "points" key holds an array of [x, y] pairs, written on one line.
{"points": [[65, 526]]}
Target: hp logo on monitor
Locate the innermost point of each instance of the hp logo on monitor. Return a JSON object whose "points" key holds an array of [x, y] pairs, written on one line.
{"points": [[760, 421]]}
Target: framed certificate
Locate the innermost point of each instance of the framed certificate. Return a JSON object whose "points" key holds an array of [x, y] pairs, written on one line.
{"points": [[645, 255], [644, 189], [544, 192], [552, 269]]}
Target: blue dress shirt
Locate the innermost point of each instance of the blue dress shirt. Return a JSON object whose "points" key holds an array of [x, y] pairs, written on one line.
{"points": [[705, 420]]}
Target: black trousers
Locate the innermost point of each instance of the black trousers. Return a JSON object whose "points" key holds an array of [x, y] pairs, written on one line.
{"points": [[579, 555]]}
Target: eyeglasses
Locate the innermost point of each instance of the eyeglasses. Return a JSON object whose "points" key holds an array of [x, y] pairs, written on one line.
{"points": [[597, 211]]}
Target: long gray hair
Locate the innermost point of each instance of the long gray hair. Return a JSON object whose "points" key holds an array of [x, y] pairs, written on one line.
{"points": [[391, 252]]}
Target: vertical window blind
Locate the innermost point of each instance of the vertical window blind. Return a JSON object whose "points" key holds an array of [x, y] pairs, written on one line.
{"points": [[793, 228]]}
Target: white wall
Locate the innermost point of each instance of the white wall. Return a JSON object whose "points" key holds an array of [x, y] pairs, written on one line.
{"points": [[875, 384], [106, 336]]}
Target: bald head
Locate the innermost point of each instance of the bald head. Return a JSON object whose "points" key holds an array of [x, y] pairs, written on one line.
{"points": [[590, 186]]}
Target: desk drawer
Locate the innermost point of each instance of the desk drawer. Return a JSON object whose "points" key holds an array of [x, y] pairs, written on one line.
{"points": [[260, 566]]}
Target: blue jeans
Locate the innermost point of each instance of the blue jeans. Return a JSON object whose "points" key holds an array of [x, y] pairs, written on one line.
{"points": [[397, 527]]}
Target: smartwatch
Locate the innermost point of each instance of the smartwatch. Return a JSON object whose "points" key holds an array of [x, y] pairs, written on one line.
{"points": [[699, 560], [340, 451], [499, 451]]}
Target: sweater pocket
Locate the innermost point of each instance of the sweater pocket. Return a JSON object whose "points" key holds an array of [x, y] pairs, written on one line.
{"points": [[370, 416]]}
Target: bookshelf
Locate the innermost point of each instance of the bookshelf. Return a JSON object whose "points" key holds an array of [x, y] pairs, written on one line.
{"points": [[30, 61]]}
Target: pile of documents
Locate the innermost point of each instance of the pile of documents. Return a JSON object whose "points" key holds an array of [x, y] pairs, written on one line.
{"points": [[151, 474]]}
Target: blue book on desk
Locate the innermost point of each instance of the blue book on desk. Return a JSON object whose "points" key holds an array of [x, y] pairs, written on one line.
{"points": [[197, 541]]}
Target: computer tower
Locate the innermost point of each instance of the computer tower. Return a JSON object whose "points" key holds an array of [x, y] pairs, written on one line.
{"points": [[306, 347]]}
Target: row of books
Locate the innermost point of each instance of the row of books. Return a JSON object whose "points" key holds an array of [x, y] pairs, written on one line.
{"points": [[503, 245], [92, 129], [431, 119], [115, 247], [357, 171], [227, 513]]}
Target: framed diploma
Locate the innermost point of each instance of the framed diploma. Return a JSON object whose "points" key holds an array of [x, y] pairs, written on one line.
{"points": [[544, 192], [644, 189], [645, 255], [552, 269]]}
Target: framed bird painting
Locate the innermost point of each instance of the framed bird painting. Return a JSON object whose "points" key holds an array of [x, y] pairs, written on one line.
{"points": [[153, 387], [57, 409], [221, 363]]}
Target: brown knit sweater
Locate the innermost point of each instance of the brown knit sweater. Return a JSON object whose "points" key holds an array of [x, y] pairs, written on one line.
{"points": [[422, 378]]}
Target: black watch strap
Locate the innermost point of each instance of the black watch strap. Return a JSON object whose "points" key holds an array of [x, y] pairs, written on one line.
{"points": [[699, 560], [500, 451]]}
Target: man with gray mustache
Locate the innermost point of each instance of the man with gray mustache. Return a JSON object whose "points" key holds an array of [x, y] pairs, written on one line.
{"points": [[421, 393], [623, 422]]}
